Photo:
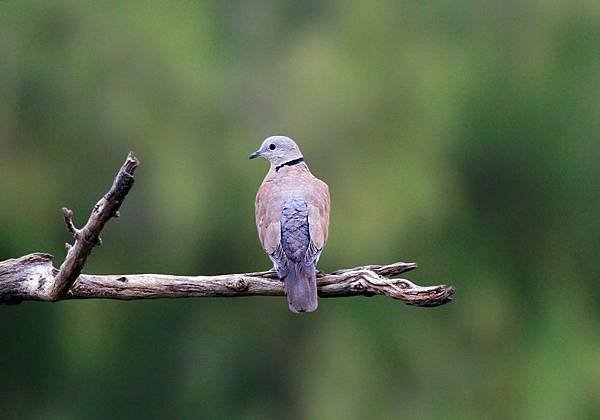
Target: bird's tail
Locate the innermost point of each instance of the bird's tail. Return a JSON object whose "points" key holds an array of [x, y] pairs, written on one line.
{"points": [[301, 288]]}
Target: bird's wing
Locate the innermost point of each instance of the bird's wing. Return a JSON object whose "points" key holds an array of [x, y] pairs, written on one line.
{"points": [[318, 218], [268, 215]]}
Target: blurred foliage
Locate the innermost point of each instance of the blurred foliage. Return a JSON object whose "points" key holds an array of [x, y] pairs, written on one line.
{"points": [[461, 135]]}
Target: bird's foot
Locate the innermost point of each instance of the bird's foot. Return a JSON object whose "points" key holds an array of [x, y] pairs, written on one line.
{"points": [[271, 273]]}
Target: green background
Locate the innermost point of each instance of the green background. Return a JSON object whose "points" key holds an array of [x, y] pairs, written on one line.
{"points": [[461, 135]]}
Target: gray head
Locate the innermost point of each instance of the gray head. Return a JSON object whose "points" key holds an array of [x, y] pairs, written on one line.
{"points": [[278, 150]]}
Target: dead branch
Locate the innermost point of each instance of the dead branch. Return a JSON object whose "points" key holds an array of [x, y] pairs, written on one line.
{"points": [[33, 276], [88, 236]]}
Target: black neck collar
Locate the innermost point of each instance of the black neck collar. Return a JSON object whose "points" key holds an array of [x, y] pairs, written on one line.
{"points": [[290, 163]]}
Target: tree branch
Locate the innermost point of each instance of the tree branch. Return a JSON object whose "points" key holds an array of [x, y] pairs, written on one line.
{"points": [[88, 237], [30, 278], [33, 276]]}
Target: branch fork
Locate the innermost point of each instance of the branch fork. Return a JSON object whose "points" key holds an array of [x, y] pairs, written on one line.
{"points": [[88, 236]]}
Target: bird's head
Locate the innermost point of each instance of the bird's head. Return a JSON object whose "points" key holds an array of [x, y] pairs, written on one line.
{"points": [[278, 150]]}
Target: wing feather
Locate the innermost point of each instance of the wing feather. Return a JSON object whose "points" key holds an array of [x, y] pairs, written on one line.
{"points": [[319, 206], [268, 215]]}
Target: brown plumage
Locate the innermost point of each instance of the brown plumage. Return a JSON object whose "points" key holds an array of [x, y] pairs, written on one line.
{"points": [[292, 218]]}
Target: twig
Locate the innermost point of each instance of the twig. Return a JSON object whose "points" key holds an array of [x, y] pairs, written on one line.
{"points": [[28, 278], [88, 237]]}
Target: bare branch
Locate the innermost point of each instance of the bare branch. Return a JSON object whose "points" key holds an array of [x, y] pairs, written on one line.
{"points": [[88, 237], [30, 277], [33, 277]]}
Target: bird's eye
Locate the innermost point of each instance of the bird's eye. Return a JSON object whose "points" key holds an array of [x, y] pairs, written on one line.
{"points": [[272, 146]]}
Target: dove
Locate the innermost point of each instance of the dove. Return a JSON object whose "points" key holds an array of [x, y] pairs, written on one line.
{"points": [[292, 219]]}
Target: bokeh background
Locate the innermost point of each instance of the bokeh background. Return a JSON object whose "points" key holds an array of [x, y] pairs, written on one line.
{"points": [[460, 135]]}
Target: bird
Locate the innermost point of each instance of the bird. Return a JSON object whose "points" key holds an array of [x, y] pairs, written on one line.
{"points": [[292, 218]]}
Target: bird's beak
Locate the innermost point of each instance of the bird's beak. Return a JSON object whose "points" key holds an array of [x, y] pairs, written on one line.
{"points": [[255, 154]]}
